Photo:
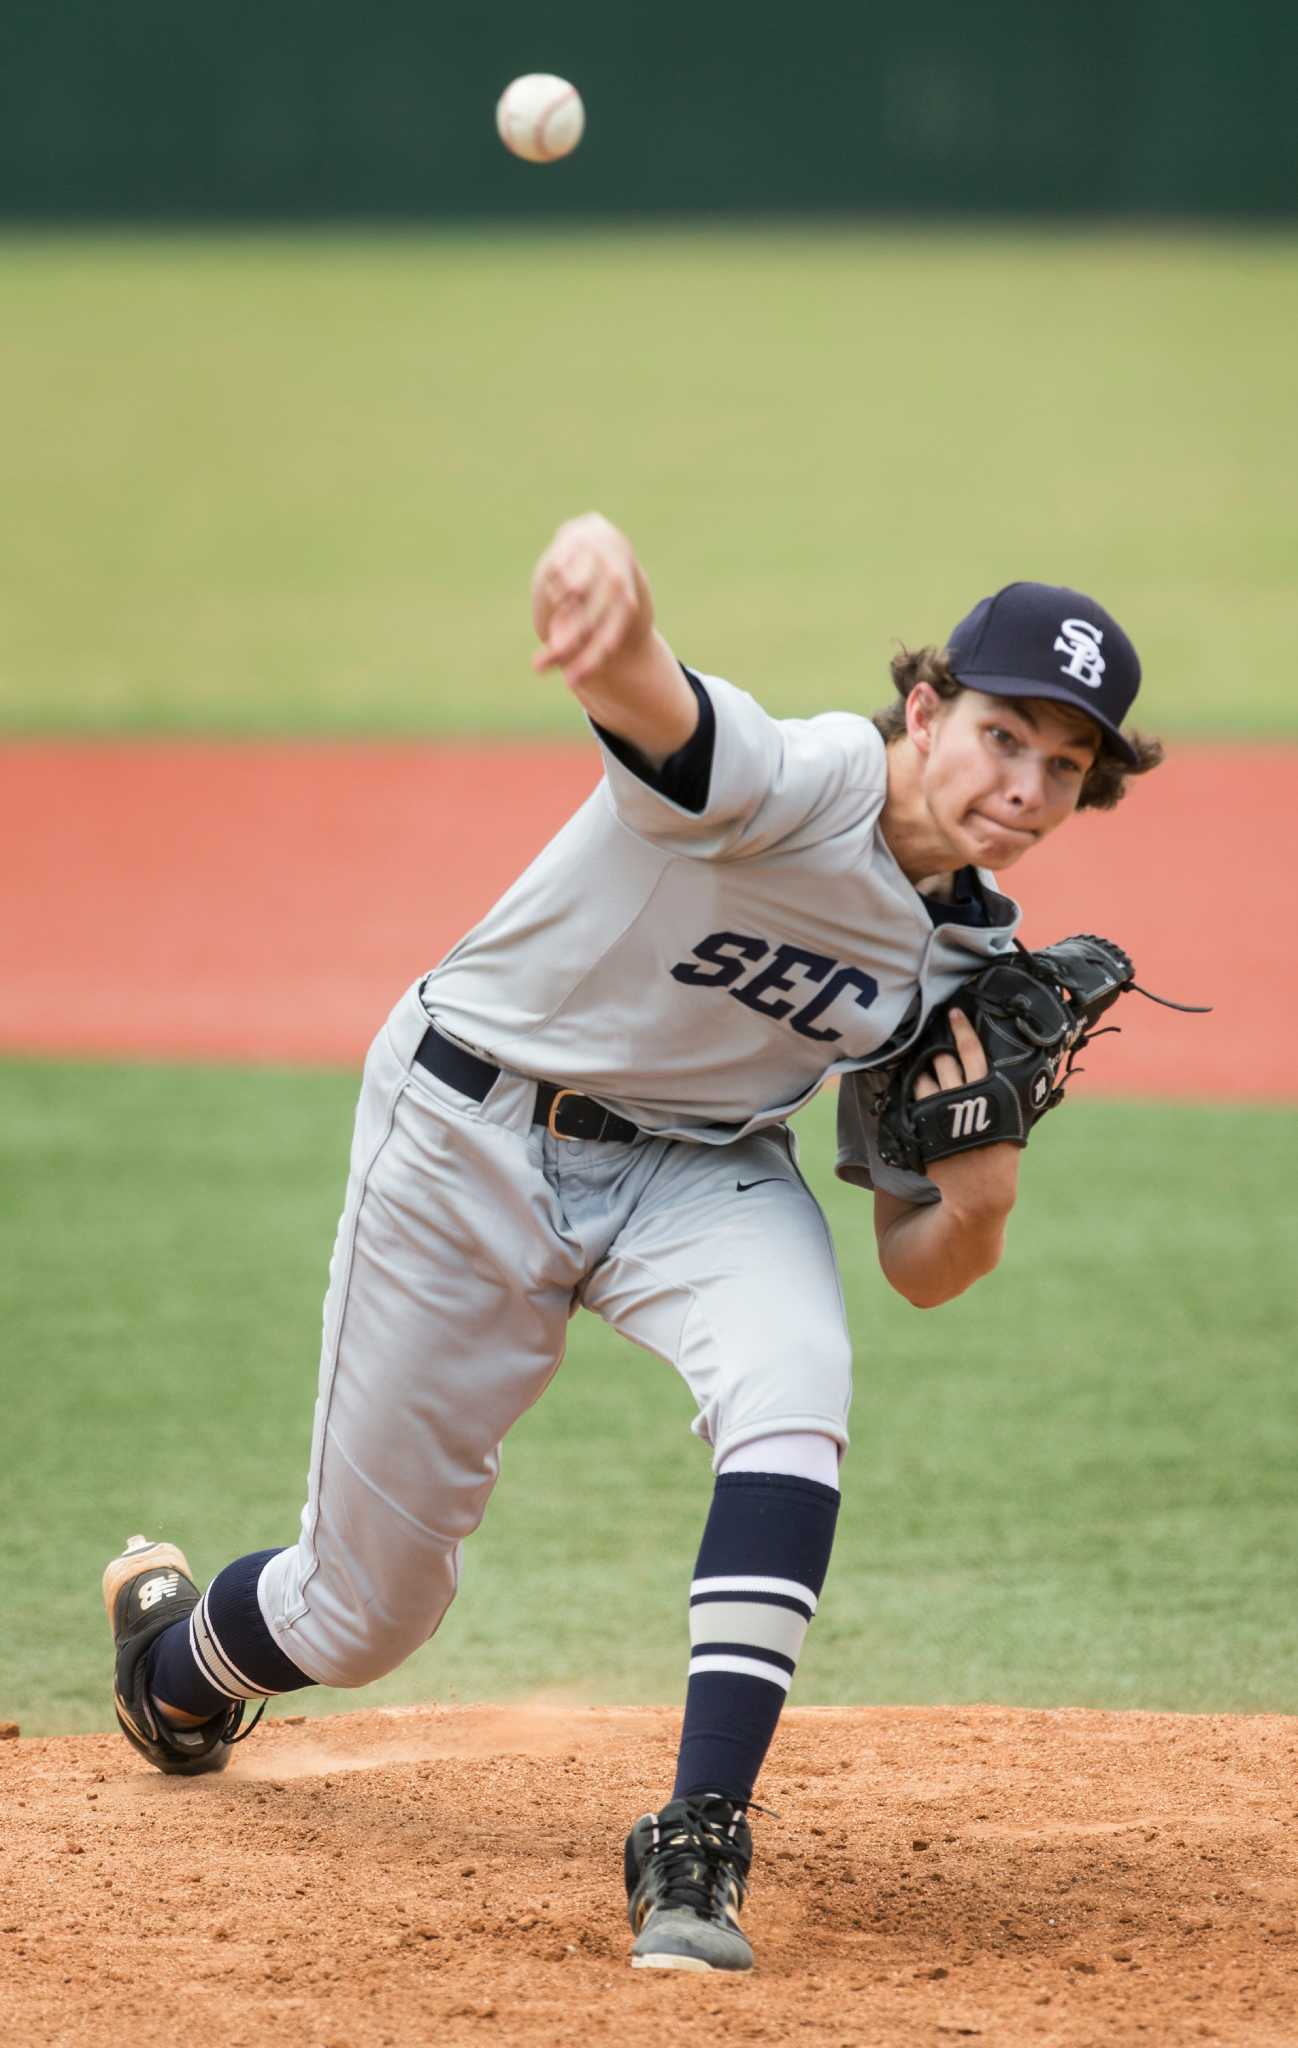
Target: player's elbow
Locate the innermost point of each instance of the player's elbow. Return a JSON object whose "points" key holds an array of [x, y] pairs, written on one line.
{"points": [[935, 1291], [950, 1270]]}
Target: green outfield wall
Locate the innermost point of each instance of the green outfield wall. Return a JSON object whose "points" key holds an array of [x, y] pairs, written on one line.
{"points": [[301, 109]]}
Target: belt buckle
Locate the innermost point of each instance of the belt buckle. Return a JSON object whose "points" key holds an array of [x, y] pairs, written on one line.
{"points": [[550, 1123]]}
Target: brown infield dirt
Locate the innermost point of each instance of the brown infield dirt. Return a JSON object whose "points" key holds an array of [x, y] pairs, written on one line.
{"points": [[449, 1875], [454, 1875]]}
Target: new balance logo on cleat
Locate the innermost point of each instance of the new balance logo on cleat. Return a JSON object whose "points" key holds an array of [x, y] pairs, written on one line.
{"points": [[153, 1590], [146, 1589]]}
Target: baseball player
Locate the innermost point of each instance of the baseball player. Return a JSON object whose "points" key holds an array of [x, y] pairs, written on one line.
{"points": [[586, 1105]]}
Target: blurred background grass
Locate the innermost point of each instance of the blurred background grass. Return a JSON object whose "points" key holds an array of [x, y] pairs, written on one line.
{"points": [[277, 482], [294, 483], [1074, 1486], [292, 480]]}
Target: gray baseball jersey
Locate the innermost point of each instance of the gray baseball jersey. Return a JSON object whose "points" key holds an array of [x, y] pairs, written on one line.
{"points": [[703, 971], [698, 949]]}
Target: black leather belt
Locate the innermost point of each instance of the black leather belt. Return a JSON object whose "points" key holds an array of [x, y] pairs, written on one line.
{"points": [[564, 1112]]}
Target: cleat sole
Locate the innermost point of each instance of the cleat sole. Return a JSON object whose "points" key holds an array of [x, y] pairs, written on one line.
{"points": [[694, 1963]]}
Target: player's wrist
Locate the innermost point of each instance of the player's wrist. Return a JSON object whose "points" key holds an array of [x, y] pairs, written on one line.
{"points": [[979, 1188], [644, 698]]}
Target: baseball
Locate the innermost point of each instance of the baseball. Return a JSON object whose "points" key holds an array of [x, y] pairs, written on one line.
{"points": [[540, 117]]}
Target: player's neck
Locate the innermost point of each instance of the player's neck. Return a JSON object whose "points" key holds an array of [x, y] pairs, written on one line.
{"points": [[941, 886], [920, 849]]}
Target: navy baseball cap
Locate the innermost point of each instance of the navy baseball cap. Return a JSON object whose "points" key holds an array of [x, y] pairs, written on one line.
{"points": [[1044, 640]]}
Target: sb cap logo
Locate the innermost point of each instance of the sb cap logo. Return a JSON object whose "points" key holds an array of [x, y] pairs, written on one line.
{"points": [[1080, 641]]}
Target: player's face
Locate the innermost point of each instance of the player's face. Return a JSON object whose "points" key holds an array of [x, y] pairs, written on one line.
{"points": [[1001, 774]]}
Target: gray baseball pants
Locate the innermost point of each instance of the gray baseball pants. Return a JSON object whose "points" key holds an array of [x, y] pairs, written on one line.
{"points": [[469, 1237]]}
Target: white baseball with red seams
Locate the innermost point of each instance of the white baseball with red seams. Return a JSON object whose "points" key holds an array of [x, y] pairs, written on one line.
{"points": [[540, 117]]}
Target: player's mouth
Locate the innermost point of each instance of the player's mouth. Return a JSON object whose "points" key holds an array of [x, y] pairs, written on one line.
{"points": [[1019, 835]]}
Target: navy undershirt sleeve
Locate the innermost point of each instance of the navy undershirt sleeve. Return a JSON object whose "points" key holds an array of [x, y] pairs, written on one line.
{"points": [[685, 776], [967, 904]]}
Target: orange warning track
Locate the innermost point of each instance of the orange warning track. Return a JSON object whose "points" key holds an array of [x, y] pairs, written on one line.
{"points": [[268, 902]]}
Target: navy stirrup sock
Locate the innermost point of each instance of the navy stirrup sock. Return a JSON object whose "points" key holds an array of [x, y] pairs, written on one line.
{"points": [[224, 1651], [759, 1576]]}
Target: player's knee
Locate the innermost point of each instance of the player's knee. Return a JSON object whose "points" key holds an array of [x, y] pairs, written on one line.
{"points": [[804, 1393], [351, 1644], [362, 1663], [360, 1655]]}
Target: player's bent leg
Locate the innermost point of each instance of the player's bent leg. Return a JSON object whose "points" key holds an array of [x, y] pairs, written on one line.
{"points": [[187, 1666], [433, 1346], [450, 1289], [361, 1612]]}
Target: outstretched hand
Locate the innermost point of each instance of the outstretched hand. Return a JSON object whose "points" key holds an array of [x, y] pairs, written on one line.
{"points": [[591, 603], [594, 617]]}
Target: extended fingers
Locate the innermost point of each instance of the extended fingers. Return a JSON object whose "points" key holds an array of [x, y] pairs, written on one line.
{"points": [[945, 1072], [584, 633], [952, 1070], [608, 633], [973, 1055], [576, 614], [567, 580]]}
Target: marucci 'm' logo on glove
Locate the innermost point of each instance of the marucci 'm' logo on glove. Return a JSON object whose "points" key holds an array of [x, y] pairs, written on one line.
{"points": [[973, 1114], [1033, 1013]]}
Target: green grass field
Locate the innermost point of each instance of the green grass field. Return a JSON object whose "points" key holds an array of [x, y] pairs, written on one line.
{"points": [[276, 483], [295, 484], [1072, 1487]]}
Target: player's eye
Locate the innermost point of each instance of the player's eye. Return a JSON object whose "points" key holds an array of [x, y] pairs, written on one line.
{"points": [[1000, 736], [1065, 765]]}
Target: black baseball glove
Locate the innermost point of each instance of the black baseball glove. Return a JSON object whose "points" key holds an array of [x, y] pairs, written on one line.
{"points": [[1033, 1013]]}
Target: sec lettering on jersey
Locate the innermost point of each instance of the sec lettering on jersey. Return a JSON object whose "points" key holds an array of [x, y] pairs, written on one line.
{"points": [[722, 960]]}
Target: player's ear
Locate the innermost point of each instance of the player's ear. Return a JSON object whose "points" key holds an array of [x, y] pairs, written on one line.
{"points": [[923, 709]]}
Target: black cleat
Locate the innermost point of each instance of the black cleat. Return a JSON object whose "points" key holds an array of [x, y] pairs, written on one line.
{"points": [[145, 1590], [686, 1879]]}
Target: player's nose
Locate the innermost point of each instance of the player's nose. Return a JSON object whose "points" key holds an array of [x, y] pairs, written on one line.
{"points": [[1026, 783]]}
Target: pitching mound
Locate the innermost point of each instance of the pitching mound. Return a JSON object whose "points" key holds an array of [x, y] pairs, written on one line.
{"points": [[453, 1874]]}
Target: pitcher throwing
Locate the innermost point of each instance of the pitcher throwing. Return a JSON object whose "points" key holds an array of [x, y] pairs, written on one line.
{"points": [[586, 1105]]}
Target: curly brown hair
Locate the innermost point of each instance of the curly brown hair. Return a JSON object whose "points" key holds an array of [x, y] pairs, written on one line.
{"points": [[1107, 777]]}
